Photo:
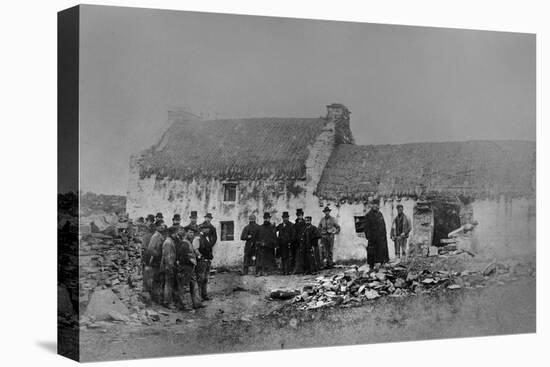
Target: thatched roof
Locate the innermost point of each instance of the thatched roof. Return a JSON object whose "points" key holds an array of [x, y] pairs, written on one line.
{"points": [[253, 148], [472, 168]]}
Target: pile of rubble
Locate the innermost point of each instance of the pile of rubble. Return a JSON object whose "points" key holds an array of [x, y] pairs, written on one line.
{"points": [[356, 285], [107, 262]]}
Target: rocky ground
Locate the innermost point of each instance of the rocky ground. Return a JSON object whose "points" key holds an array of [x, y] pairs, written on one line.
{"points": [[443, 295], [464, 297]]}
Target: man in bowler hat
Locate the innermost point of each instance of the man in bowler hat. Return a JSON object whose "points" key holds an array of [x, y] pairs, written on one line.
{"points": [[265, 251], [286, 238]]}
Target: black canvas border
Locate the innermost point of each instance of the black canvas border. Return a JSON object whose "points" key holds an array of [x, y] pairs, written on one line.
{"points": [[68, 35]]}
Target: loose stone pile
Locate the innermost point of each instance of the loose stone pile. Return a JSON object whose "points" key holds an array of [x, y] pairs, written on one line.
{"points": [[107, 262], [356, 285]]}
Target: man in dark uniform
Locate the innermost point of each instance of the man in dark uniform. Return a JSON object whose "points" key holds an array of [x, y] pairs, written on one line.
{"points": [[204, 259], [265, 248], [212, 233], [250, 235], [186, 262], [286, 238], [375, 232], [309, 242]]}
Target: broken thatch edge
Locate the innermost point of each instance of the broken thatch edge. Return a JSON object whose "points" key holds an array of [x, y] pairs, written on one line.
{"points": [[475, 169]]}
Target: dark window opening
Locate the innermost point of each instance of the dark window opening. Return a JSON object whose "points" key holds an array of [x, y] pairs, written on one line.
{"points": [[229, 192], [228, 230], [446, 220], [359, 223]]}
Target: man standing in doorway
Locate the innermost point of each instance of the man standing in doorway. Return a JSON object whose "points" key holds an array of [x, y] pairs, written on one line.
{"points": [[400, 229], [250, 235], [328, 226]]}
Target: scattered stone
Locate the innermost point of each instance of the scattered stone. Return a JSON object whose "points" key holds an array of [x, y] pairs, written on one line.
{"points": [[282, 294], [490, 269], [153, 315], [117, 316], [433, 251], [102, 303]]}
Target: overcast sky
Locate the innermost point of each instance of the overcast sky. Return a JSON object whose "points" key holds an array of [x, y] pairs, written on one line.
{"points": [[402, 84]]}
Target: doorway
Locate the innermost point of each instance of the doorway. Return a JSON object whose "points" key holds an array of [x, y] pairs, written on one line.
{"points": [[446, 219]]}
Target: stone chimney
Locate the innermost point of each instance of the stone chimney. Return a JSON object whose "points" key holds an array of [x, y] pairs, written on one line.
{"points": [[339, 114]]}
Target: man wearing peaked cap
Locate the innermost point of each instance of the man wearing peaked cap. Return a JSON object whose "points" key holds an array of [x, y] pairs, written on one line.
{"points": [[328, 226], [250, 235], [212, 233], [204, 259]]}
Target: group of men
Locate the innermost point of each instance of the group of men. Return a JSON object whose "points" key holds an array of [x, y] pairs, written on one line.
{"points": [[176, 259], [301, 246]]}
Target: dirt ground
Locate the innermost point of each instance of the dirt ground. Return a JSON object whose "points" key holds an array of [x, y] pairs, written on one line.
{"points": [[241, 317]]}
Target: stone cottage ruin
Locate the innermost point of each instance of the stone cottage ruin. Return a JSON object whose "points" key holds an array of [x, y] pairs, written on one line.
{"points": [[484, 191]]}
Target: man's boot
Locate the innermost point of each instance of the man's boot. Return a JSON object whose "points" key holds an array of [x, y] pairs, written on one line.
{"points": [[204, 291], [195, 297]]}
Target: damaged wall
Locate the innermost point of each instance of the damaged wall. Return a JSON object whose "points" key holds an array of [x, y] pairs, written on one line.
{"points": [[275, 195], [253, 197], [507, 227], [351, 245]]}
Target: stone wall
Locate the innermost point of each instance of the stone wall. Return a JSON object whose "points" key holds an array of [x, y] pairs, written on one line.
{"points": [[152, 195], [206, 196], [349, 245]]}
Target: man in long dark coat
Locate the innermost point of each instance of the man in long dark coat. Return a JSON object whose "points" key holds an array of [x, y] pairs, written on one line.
{"points": [[167, 267], [265, 250], [299, 226], [286, 238], [375, 232], [250, 235], [309, 247]]}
